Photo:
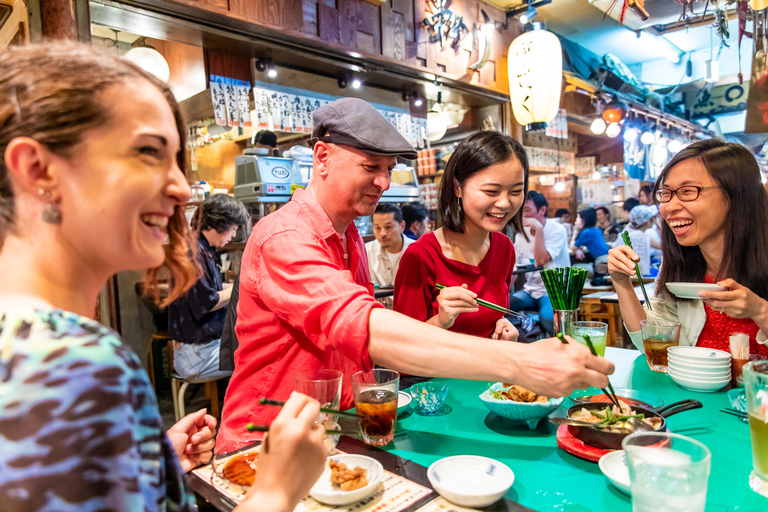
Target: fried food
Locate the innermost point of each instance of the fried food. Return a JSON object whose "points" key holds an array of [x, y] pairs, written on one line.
{"points": [[517, 393], [347, 479], [241, 470]]}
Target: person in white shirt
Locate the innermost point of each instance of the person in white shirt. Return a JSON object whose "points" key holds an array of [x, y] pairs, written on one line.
{"points": [[385, 252], [639, 229], [548, 246]]}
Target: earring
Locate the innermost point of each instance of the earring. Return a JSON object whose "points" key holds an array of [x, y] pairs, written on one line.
{"points": [[52, 212], [461, 209]]}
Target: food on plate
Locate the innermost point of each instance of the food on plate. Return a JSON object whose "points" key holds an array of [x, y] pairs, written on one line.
{"points": [[347, 479], [613, 418], [516, 393], [603, 398], [241, 470]]}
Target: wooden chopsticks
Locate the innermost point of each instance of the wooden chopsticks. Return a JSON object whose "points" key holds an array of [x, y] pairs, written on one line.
{"points": [[250, 427]]}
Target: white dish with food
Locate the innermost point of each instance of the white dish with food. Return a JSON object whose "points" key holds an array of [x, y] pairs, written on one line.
{"points": [[470, 480], [700, 354], [700, 385], [329, 493], [615, 468], [691, 290], [497, 399]]}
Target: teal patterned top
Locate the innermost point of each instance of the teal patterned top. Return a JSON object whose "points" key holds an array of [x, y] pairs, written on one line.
{"points": [[79, 425]]}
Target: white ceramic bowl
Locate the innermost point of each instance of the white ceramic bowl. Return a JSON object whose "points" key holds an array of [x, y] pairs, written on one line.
{"points": [[708, 386], [691, 290], [324, 491], [614, 467], [704, 366], [530, 413], [470, 480], [699, 378], [700, 354], [700, 374]]}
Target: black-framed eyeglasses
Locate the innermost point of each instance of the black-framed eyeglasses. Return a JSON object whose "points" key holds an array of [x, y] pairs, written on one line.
{"points": [[686, 193]]}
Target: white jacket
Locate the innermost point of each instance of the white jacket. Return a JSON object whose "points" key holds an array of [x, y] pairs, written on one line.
{"points": [[691, 316]]}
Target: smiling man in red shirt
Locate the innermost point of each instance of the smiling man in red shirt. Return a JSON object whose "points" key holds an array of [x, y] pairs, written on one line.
{"points": [[306, 297]]}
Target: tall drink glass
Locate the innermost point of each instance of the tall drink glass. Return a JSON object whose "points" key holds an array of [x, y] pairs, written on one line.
{"points": [[756, 389], [667, 471], [658, 336], [325, 387], [376, 404], [597, 332]]}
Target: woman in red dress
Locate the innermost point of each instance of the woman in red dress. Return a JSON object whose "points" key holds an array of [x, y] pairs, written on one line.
{"points": [[483, 189], [715, 230]]}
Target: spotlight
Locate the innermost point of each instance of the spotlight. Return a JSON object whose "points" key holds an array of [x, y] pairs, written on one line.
{"points": [[342, 81], [266, 65], [356, 83], [598, 126], [528, 15], [261, 65], [613, 130], [417, 101], [272, 73], [614, 112]]}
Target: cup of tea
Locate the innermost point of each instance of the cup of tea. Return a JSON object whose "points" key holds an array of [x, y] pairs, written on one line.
{"points": [[658, 336], [756, 389], [376, 404], [325, 387]]}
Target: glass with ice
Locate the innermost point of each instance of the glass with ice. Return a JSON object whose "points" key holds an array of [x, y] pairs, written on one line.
{"points": [[667, 471], [597, 332]]}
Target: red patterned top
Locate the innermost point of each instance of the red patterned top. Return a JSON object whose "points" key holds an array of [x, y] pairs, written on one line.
{"points": [[719, 327]]}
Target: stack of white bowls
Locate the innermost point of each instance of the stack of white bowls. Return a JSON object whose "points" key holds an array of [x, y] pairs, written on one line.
{"points": [[699, 369]]}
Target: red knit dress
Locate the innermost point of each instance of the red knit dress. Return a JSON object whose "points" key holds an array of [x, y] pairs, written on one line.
{"points": [[719, 327]]}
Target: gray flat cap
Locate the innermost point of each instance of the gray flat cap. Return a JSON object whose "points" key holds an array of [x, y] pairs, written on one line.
{"points": [[354, 122]]}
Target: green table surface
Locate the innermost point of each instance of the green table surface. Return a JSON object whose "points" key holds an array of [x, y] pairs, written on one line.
{"points": [[548, 478]]}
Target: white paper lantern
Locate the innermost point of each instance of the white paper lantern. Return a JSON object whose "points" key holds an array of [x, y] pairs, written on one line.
{"points": [[437, 125], [149, 60], [535, 76]]}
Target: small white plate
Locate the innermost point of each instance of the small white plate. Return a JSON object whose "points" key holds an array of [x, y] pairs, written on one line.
{"points": [[691, 290], [325, 492], [696, 354], [614, 467], [403, 401]]}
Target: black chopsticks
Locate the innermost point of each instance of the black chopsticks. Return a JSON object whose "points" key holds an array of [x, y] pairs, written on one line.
{"points": [[250, 427], [489, 305], [734, 412], [278, 403], [612, 395]]}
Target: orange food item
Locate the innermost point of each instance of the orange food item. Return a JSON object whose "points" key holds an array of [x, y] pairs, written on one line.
{"points": [[347, 479], [241, 470]]}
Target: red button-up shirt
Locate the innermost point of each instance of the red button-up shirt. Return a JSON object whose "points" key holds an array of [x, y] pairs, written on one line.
{"points": [[303, 305]]}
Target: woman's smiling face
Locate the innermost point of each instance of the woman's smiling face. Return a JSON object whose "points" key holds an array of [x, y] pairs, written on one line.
{"points": [[697, 222]]}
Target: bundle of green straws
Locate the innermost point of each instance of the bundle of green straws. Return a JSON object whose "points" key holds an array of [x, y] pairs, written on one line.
{"points": [[564, 286]]}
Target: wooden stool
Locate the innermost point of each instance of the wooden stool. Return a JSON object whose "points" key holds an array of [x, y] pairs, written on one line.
{"points": [[179, 387], [592, 310]]}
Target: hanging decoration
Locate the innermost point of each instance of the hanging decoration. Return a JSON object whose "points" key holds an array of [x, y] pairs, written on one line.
{"points": [[445, 24], [535, 77], [636, 5], [757, 100], [721, 25]]}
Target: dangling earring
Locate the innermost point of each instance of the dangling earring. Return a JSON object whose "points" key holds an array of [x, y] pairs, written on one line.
{"points": [[461, 209], [52, 212]]}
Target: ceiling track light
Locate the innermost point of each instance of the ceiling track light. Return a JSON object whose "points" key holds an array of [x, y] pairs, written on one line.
{"points": [[417, 100], [266, 64], [528, 15], [528, 11]]}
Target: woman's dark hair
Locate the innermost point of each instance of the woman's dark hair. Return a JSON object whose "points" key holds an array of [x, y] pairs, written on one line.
{"points": [[745, 258], [475, 153], [219, 212], [54, 93], [629, 204], [562, 211], [588, 218], [647, 190]]}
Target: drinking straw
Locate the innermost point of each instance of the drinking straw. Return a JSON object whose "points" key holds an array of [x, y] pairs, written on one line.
{"points": [[628, 243], [278, 403], [489, 305]]}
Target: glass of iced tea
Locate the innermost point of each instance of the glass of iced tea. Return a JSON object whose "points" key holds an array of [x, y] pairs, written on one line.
{"points": [[376, 404], [756, 389], [658, 336]]}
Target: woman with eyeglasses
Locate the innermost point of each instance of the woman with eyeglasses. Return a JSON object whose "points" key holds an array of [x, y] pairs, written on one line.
{"points": [[715, 230]]}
